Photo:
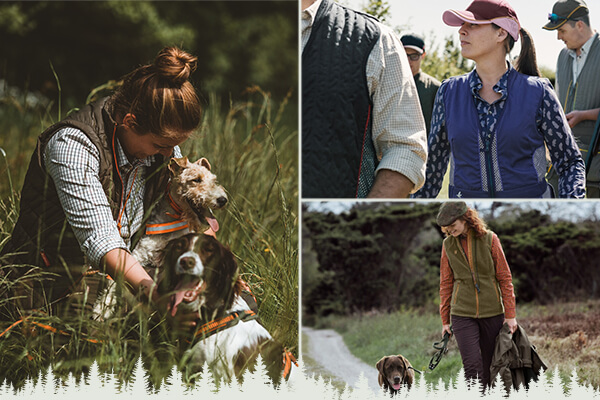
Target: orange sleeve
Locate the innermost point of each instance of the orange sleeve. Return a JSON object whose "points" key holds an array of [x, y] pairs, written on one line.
{"points": [[504, 278], [446, 285]]}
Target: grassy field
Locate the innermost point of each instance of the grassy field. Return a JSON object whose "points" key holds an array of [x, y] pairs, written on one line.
{"points": [[252, 146], [566, 335]]}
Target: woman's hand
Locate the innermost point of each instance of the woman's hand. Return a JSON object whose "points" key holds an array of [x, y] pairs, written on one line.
{"points": [[446, 328], [512, 324]]}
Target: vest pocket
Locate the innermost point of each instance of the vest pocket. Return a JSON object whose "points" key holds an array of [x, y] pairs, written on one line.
{"points": [[497, 292], [455, 295]]}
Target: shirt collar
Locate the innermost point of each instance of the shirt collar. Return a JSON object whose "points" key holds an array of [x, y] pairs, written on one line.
{"points": [[123, 161], [500, 87], [585, 49], [309, 14]]}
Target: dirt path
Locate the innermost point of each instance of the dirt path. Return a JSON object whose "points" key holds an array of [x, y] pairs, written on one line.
{"points": [[327, 348]]}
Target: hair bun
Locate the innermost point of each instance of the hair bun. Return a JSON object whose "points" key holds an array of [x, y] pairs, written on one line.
{"points": [[175, 65]]}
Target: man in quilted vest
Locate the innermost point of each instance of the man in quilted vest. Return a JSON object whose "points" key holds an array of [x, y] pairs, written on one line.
{"points": [[577, 83]]}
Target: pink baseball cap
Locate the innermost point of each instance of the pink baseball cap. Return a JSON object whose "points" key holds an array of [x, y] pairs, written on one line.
{"points": [[498, 12]]}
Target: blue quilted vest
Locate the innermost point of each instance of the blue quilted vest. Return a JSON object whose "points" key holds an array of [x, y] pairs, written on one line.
{"points": [[338, 155], [511, 152]]}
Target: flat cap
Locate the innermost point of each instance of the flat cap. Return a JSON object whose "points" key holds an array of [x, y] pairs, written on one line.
{"points": [[450, 212]]}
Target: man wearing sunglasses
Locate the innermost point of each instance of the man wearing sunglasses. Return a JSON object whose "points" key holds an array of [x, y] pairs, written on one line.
{"points": [[427, 85], [578, 80]]}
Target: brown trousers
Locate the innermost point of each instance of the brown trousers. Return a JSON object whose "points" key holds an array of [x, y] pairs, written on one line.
{"points": [[476, 339]]}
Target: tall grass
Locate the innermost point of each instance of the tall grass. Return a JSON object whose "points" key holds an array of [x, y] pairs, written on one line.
{"points": [[252, 147], [413, 332]]}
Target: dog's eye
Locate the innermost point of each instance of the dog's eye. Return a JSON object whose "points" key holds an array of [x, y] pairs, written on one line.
{"points": [[208, 248], [197, 180], [179, 245]]}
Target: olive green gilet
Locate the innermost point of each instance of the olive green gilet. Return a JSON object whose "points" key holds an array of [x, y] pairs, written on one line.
{"points": [[476, 292]]}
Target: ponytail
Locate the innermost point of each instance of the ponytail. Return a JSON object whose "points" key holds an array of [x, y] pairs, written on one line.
{"points": [[526, 63]]}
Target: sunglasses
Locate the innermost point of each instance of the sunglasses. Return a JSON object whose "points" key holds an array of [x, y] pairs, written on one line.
{"points": [[414, 56], [555, 18]]}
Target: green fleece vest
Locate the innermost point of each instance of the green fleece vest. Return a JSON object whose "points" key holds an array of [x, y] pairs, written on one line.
{"points": [[476, 292]]}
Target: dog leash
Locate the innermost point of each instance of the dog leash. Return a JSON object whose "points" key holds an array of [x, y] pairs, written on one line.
{"points": [[416, 370], [442, 348]]}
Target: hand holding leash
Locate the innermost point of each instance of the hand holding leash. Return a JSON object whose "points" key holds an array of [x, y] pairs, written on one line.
{"points": [[446, 329], [441, 347]]}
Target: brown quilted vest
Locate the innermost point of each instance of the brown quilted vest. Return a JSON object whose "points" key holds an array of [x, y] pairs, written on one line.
{"points": [[42, 236]]}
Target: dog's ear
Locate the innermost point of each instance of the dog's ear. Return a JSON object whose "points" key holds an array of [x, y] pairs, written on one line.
{"points": [[403, 360], [380, 364], [177, 164], [407, 375], [204, 163]]}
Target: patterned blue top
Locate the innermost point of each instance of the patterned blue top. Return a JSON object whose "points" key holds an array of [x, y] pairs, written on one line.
{"points": [[550, 121]]}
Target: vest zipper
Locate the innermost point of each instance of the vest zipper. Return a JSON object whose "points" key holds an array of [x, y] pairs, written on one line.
{"points": [[488, 162], [469, 246], [475, 283]]}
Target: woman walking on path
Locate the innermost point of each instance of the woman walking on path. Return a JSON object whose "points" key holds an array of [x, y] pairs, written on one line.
{"points": [[494, 124], [476, 291]]}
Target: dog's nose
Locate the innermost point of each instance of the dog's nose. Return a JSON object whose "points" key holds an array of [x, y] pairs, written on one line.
{"points": [[397, 380], [221, 201], [187, 263]]}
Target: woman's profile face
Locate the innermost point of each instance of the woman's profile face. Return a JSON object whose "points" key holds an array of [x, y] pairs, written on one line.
{"points": [[478, 40], [456, 228], [139, 146]]}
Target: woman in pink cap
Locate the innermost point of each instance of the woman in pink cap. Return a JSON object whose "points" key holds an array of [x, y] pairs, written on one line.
{"points": [[495, 124]]}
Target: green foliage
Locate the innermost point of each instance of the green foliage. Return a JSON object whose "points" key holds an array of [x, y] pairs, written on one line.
{"points": [[363, 258], [386, 257], [550, 260], [446, 62], [549, 73], [253, 150], [380, 9], [238, 43]]}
